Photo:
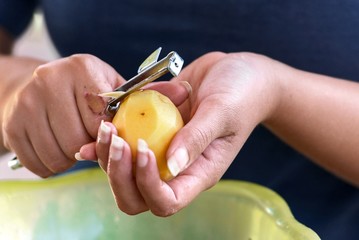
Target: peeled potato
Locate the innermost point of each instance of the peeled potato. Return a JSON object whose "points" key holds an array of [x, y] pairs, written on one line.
{"points": [[151, 116]]}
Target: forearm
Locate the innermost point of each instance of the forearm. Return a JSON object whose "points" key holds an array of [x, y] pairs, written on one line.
{"points": [[14, 73], [319, 116]]}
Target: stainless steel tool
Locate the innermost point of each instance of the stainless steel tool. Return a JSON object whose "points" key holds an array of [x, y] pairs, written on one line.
{"points": [[150, 70]]}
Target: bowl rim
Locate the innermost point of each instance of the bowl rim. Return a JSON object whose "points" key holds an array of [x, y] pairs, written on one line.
{"points": [[267, 200]]}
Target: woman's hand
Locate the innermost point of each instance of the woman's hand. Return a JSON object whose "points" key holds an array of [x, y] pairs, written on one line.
{"points": [[47, 120], [231, 94]]}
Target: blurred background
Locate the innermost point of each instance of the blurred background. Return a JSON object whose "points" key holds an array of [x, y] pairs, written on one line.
{"points": [[35, 42]]}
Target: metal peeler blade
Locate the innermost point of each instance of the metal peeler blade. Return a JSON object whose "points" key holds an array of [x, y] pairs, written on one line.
{"points": [[149, 70]]}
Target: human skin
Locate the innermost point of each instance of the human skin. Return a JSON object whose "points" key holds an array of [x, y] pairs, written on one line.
{"points": [[231, 95], [47, 117], [48, 114], [49, 110]]}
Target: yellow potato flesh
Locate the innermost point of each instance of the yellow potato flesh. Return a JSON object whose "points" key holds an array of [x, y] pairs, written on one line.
{"points": [[151, 116]]}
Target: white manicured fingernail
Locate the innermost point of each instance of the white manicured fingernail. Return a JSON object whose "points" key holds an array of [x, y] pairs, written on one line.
{"points": [[116, 148], [103, 133], [142, 153], [78, 157], [177, 161]]}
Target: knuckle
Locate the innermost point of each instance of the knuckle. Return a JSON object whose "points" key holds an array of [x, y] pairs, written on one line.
{"points": [[45, 74], [40, 70], [9, 130], [26, 102], [32, 164], [10, 135], [242, 56], [43, 77], [85, 61], [81, 57], [202, 138], [215, 55], [60, 166], [6, 143]]}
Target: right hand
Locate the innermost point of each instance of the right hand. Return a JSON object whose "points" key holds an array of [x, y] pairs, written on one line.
{"points": [[48, 119]]}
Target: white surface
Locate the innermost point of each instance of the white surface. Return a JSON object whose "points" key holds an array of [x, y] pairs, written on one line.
{"points": [[35, 42]]}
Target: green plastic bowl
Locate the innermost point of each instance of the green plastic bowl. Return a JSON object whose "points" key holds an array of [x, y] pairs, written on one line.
{"points": [[81, 206]]}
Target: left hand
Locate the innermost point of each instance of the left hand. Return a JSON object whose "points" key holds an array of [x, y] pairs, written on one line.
{"points": [[51, 114], [231, 95]]}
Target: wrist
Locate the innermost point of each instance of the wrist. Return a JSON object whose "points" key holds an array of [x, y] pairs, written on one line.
{"points": [[266, 80], [278, 86]]}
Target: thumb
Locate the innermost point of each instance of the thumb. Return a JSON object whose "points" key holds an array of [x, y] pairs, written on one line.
{"points": [[196, 138], [91, 106], [177, 91]]}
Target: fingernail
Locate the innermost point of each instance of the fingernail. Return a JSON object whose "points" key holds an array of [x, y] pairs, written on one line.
{"points": [[142, 153], [177, 161], [103, 133], [188, 86], [78, 157], [116, 148]]}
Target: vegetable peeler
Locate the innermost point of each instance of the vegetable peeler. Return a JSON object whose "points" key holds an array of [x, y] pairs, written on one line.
{"points": [[150, 70]]}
